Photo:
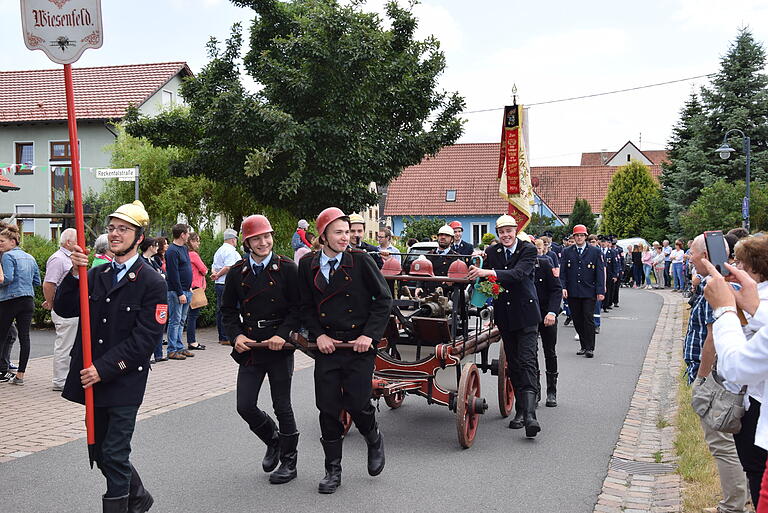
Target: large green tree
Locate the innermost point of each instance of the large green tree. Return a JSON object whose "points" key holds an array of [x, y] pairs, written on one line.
{"points": [[627, 205], [582, 214], [347, 98], [736, 98], [719, 208]]}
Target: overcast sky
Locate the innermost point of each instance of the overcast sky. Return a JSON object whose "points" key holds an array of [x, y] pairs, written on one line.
{"points": [[550, 50]]}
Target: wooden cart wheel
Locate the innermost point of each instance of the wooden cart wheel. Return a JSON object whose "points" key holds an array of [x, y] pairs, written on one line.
{"points": [[466, 417], [395, 400], [506, 392], [346, 420]]}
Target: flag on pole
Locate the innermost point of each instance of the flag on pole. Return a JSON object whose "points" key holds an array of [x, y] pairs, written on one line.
{"points": [[514, 170]]}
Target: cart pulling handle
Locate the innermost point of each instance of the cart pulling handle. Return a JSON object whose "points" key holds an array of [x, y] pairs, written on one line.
{"points": [[291, 346]]}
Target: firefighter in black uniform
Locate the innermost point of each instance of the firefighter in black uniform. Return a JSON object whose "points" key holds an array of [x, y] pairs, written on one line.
{"points": [[516, 313], [260, 303], [440, 262], [128, 308], [582, 273], [550, 294], [356, 235], [344, 298], [460, 246]]}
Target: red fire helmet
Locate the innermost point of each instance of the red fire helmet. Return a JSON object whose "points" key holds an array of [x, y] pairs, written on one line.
{"points": [[580, 228], [326, 217], [255, 225], [422, 267], [458, 269], [391, 267], [456, 224]]}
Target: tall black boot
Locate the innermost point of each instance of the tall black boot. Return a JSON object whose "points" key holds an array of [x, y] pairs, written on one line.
{"points": [[267, 431], [115, 504], [288, 456], [332, 479], [375, 450], [529, 408], [518, 421], [551, 389], [139, 499]]}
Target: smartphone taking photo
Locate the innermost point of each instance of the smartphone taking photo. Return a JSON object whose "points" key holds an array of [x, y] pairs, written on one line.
{"points": [[717, 250]]}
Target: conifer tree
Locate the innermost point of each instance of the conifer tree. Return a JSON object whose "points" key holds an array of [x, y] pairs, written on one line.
{"points": [[582, 214]]}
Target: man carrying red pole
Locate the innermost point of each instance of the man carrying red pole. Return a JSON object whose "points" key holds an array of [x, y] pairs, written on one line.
{"points": [[128, 308]]}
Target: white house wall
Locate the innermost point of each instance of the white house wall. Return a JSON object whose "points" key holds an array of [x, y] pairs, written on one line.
{"points": [[35, 189]]}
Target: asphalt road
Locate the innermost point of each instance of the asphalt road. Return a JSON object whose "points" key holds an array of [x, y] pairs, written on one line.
{"points": [[202, 458]]}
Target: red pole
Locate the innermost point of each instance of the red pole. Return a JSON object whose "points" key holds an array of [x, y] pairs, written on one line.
{"points": [[85, 317]]}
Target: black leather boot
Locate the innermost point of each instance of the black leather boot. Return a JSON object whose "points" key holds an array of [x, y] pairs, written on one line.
{"points": [[532, 426], [115, 504], [267, 431], [288, 456], [139, 499], [332, 479], [518, 421], [375, 450], [551, 389]]}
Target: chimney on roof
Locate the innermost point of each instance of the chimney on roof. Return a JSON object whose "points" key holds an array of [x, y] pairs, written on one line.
{"points": [[603, 156]]}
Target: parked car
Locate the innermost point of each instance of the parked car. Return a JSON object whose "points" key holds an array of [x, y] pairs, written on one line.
{"points": [[418, 249], [626, 243]]}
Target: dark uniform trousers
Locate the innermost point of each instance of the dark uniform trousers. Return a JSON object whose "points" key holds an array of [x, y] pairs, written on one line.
{"points": [[752, 457], [516, 311], [550, 294], [248, 303], [343, 381], [583, 276], [355, 302], [249, 381], [127, 318]]}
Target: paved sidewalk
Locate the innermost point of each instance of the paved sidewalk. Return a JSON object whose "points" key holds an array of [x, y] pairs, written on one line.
{"points": [[35, 418], [642, 473]]}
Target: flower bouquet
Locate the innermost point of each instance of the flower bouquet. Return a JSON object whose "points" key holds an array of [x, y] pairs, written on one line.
{"points": [[485, 290]]}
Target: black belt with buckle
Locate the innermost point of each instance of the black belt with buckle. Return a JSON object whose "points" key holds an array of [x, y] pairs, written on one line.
{"points": [[268, 323]]}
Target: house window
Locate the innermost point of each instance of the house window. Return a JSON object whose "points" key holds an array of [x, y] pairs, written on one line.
{"points": [[25, 158], [628, 157], [167, 97], [27, 226], [450, 195], [478, 230], [60, 150]]}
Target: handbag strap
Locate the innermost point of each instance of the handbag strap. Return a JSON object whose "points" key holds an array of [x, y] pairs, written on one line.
{"points": [[719, 379]]}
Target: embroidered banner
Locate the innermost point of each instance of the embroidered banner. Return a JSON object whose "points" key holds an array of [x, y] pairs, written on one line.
{"points": [[514, 171]]}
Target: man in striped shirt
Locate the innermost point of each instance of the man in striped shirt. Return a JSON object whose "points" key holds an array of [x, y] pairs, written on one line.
{"points": [[699, 355]]}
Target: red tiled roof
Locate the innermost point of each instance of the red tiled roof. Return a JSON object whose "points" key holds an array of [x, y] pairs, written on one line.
{"points": [[100, 93], [599, 158], [7, 185], [471, 170]]}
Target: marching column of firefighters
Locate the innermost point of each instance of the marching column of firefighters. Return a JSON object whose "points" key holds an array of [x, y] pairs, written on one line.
{"points": [[336, 297]]}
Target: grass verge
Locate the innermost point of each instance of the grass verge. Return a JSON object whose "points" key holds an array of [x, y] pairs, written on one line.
{"points": [[701, 483]]}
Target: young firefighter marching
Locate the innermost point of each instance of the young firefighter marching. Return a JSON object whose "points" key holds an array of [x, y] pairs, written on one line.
{"points": [[128, 307], [344, 298], [261, 304]]}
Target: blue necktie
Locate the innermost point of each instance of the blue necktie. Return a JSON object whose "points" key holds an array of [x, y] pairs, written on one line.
{"points": [[257, 268], [331, 268], [117, 268], [580, 250], [509, 254]]}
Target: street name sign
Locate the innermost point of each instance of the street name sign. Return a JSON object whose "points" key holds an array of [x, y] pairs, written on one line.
{"points": [[123, 174], [63, 29]]}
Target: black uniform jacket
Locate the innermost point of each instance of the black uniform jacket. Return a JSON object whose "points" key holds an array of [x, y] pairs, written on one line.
{"points": [[548, 288], [126, 324], [518, 306], [464, 248], [356, 302], [611, 263], [583, 276], [269, 300]]}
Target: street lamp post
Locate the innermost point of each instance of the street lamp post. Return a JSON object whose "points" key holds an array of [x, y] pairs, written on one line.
{"points": [[725, 151]]}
